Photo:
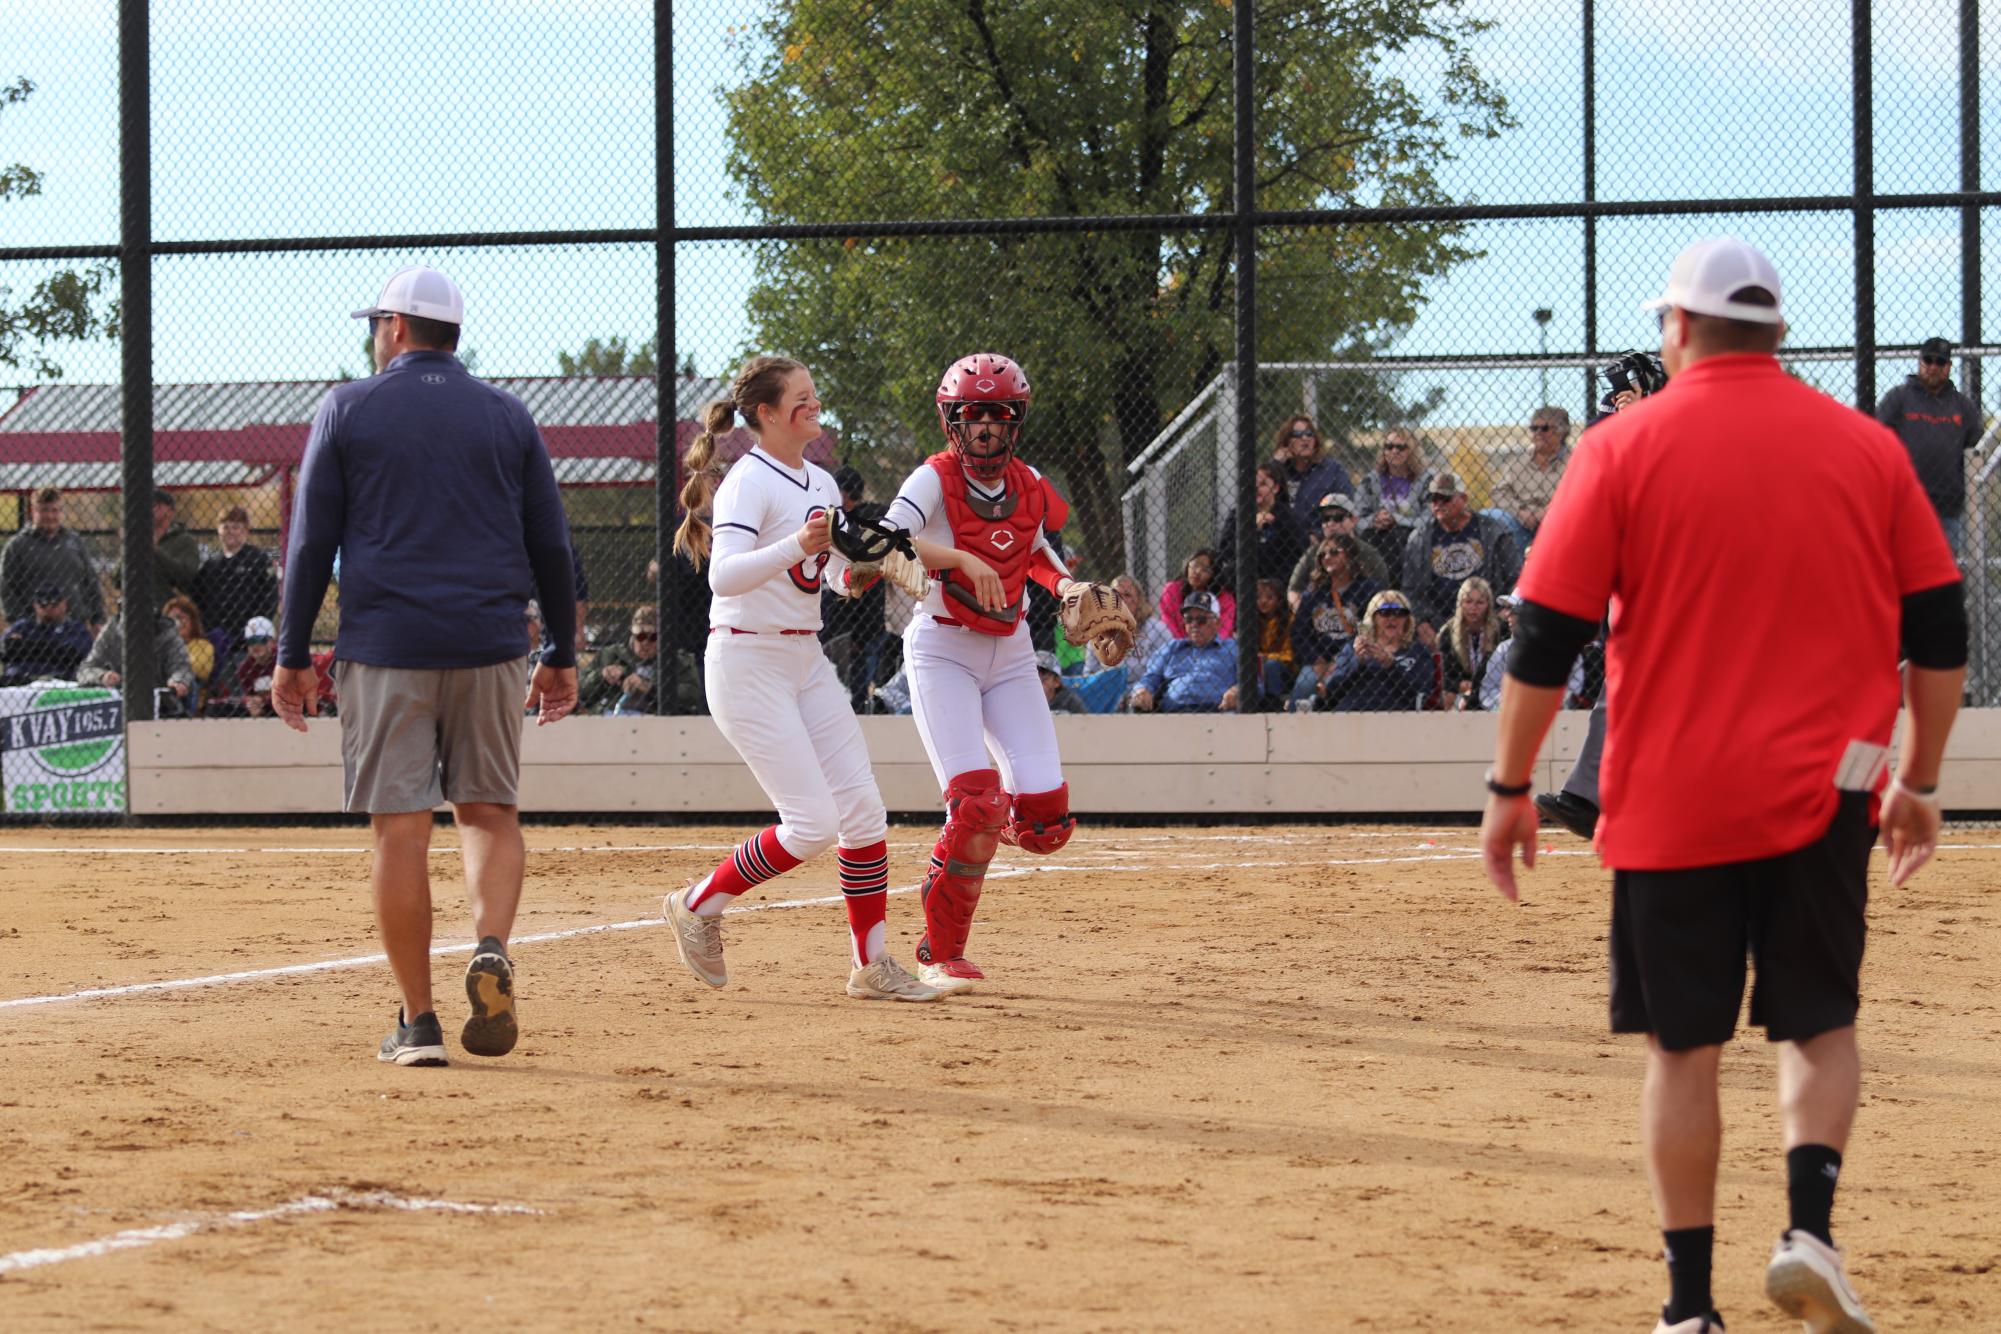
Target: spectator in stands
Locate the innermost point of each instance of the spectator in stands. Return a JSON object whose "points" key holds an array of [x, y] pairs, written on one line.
{"points": [[187, 621], [255, 666], [1450, 547], [1274, 628], [1062, 699], [1337, 516], [1332, 608], [1309, 472], [1497, 665], [1198, 575], [1150, 634], [624, 677], [1197, 674], [1281, 536], [1390, 499], [1385, 668], [171, 671], [237, 582], [1468, 642], [1938, 425], [45, 645], [1529, 474], [46, 553], [176, 557], [851, 629]]}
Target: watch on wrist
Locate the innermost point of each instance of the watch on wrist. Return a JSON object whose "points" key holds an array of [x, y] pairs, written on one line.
{"points": [[1500, 789]]}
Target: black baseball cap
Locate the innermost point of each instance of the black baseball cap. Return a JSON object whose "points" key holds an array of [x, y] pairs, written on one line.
{"points": [[848, 479], [47, 593], [1935, 349]]}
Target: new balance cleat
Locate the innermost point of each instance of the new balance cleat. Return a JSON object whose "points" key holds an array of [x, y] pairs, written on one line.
{"points": [[419, 1042], [886, 979], [949, 975], [491, 1029], [698, 940], [1807, 1280]]}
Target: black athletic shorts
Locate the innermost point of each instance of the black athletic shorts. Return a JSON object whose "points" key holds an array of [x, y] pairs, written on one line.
{"points": [[1680, 939]]}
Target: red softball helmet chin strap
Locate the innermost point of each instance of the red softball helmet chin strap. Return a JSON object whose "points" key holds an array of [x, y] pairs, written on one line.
{"points": [[982, 402]]}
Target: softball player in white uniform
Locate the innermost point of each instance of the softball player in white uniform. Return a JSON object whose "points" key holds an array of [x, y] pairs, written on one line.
{"points": [[771, 690], [978, 515]]}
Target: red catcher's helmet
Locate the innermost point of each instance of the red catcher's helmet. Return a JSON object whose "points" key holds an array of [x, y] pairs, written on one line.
{"points": [[982, 403]]}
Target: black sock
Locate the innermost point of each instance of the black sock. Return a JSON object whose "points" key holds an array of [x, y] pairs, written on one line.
{"points": [[1811, 1171], [1688, 1253]]}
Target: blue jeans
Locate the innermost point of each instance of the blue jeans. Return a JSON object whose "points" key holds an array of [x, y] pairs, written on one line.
{"points": [[1514, 525], [1955, 532]]}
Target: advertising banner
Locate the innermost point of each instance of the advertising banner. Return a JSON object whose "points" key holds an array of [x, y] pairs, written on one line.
{"points": [[62, 750]]}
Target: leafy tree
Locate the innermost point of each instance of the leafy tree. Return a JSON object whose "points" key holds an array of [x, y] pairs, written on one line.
{"points": [[983, 108], [64, 306], [611, 356]]}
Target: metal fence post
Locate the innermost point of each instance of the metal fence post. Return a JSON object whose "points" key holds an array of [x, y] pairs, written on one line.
{"points": [[135, 280], [1969, 179], [666, 370], [1864, 73], [1590, 194], [1246, 354]]}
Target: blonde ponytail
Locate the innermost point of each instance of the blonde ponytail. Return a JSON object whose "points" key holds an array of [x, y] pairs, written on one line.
{"points": [[760, 382], [692, 537]]}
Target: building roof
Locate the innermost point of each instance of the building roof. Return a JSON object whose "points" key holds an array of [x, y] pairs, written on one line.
{"points": [[599, 430]]}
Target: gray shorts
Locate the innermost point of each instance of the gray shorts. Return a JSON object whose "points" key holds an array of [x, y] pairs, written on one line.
{"points": [[411, 737]]}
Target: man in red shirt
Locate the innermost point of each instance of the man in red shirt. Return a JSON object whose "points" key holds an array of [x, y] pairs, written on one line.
{"points": [[1737, 801]]}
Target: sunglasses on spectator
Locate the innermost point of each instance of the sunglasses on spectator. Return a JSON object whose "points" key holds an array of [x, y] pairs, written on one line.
{"points": [[1936, 361], [1438, 497], [645, 634], [1397, 445], [1305, 432], [1392, 611], [1540, 428]]}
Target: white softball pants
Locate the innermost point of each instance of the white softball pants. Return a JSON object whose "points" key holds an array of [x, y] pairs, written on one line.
{"points": [[777, 701], [972, 694]]}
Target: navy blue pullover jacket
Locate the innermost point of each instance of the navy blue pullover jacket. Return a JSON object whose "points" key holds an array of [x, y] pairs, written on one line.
{"points": [[436, 490]]}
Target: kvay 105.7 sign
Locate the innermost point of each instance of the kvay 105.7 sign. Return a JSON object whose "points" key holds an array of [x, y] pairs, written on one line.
{"points": [[62, 750]]}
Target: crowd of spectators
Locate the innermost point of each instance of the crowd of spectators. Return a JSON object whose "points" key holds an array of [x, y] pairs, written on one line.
{"points": [[1382, 590]]}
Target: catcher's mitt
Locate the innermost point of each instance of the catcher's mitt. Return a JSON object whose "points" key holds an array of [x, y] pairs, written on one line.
{"points": [[1092, 614]]}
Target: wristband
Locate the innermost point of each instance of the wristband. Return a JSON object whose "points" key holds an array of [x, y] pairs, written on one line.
{"points": [[1927, 794], [1500, 789]]}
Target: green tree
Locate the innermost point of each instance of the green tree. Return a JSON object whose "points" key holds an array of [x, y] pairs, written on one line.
{"points": [[981, 108], [611, 356], [66, 305]]}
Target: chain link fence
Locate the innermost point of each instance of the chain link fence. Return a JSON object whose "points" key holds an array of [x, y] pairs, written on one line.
{"points": [[1455, 209]]}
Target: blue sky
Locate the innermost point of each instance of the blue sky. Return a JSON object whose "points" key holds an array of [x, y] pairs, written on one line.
{"points": [[274, 118]]}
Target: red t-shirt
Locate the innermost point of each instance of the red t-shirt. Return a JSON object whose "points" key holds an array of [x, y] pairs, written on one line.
{"points": [[1754, 539]]}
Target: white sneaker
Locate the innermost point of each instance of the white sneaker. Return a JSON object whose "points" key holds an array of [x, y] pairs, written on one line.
{"points": [[950, 975], [1806, 1279], [698, 939], [885, 979], [1695, 1324]]}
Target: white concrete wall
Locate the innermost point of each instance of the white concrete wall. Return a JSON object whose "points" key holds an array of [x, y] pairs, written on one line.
{"points": [[1314, 764]]}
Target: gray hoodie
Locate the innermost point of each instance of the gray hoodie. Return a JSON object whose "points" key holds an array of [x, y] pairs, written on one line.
{"points": [[1938, 429]]}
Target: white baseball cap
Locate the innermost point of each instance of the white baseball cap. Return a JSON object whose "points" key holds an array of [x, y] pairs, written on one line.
{"points": [[1710, 271], [419, 291], [259, 627]]}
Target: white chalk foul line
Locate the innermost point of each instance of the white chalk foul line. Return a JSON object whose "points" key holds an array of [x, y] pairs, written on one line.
{"points": [[324, 1202]]}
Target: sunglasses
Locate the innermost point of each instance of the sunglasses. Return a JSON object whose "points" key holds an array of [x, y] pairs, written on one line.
{"points": [[1438, 498], [1304, 433], [1392, 611], [1395, 446], [1540, 430], [1936, 361], [990, 412], [645, 635]]}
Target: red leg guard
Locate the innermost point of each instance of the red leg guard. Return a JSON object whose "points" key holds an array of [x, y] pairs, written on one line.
{"points": [[975, 816], [1042, 821]]}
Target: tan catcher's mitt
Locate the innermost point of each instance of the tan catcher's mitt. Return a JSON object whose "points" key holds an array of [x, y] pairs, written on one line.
{"points": [[1093, 614]]}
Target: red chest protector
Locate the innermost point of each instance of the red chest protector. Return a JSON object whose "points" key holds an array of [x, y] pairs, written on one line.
{"points": [[1002, 535]]}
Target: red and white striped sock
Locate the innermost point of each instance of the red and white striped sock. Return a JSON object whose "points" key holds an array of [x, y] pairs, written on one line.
{"points": [[865, 891], [756, 860]]}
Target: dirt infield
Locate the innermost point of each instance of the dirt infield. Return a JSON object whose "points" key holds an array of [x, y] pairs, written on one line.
{"points": [[1293, 1078]]}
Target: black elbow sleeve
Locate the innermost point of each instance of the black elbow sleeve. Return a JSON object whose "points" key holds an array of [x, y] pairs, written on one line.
{"points": [[1547, 644], [1934, 627]]}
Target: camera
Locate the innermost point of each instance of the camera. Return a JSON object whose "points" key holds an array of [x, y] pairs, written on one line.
{"points": [[1640, 372]]}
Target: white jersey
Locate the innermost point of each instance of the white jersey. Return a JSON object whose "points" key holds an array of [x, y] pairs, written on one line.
{"points": [[919, 509], [763, 581]]}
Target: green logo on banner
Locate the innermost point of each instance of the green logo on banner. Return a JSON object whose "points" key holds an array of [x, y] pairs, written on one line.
{"points": [[82, 756]]}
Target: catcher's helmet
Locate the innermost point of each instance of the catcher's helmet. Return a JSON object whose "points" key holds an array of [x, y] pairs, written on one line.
{"points": [[982, 402]]}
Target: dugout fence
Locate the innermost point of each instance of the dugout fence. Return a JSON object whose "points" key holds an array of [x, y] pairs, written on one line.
{"points": [[1190, 223]]}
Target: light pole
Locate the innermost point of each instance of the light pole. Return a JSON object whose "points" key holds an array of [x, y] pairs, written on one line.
{"points": [[1543, 315]]}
